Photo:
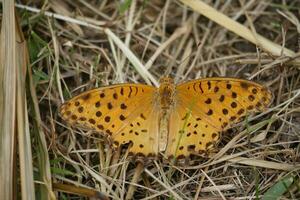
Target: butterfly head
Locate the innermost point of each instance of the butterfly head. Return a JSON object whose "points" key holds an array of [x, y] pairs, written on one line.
{"points": [[166, 80]]}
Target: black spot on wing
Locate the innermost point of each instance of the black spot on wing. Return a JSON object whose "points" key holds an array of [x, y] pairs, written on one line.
{"points": [[225, 111], [244, 85], [142, 116], [208, 101], [228, 86], [82, 119], [251, 97], [241, 111], [130, 91], [115, 96], [216, 89], [80, 109], [100, 126], [210, 112], [136, 91], [97, 104], [109, 106], [233, 105], [92, 121], [208, 85], [98, 114], [123, 106], [191, 147], [232, 118], [222, 98], [107, 119], [122, 117], [234, 95], [86, 97], [200, 87]]}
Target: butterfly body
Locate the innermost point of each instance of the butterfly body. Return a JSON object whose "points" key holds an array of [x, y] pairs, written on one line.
{"points": [[166, 99], [166, 92], [172, 120]]}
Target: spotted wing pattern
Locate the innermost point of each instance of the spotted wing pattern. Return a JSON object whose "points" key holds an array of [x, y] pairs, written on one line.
{"points": [[125, 113], [131, 113], [206, 107]]}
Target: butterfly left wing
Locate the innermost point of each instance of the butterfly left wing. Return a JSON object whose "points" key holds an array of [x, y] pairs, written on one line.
{"points": [[206, 107], [124, 113]]}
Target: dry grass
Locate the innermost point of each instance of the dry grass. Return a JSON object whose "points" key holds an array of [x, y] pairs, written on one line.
{"points": [[90, 44]]}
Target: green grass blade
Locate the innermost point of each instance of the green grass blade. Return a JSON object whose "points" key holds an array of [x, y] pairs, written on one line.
{"points": [[277, 190]]}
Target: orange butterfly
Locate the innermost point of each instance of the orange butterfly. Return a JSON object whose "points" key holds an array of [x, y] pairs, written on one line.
{"points": [[175, 120]]}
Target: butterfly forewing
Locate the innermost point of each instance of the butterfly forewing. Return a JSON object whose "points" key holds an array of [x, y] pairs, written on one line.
{"points": [[223, 101], [124, 112]]}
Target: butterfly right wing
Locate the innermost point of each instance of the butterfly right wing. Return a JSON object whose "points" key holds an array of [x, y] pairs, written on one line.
{"points": [[211, 105], [124, 112]]}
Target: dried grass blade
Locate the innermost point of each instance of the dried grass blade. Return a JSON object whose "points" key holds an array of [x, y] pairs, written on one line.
{"points": [[7, 101], [237, 28], [24, 141], [132, 58], [263, 163]]}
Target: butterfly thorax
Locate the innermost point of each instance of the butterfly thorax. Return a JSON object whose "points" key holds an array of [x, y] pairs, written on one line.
{"points": [[166, 97], [166, 92]]}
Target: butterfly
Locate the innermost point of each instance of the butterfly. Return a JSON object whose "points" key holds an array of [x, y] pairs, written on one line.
{"points": [[171, 120]]}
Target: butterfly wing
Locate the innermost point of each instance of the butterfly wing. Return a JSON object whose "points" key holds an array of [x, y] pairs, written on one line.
{"points": [[124, 112], [206, 107]]}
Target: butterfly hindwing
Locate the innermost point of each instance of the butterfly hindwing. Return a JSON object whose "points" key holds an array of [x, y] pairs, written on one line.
{"points": [[189, 133], [141, 129]]}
